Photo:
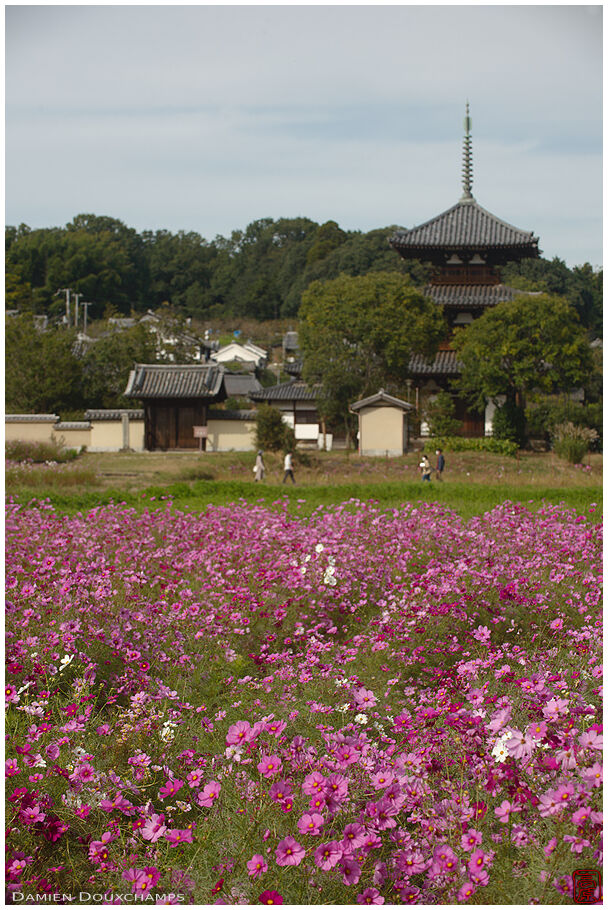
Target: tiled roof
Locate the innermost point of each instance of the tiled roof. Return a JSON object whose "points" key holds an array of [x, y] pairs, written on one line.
{"points": [[175, 381], [73, 425], [31, 418], [381, 398], [241, 384], [470, 295], [230, 415], [465, 226], [443, 364], [287, 391], [114, 414]]}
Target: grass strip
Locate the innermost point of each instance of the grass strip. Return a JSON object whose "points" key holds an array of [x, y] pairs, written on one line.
{"points": [[466, 500]]}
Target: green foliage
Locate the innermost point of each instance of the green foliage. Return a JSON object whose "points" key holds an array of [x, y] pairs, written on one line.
{"points": [[107, 364], [440, 416], [572, 442], [42, 373], [546, 412], [358, 334], [582, 286], [271, 432], [509, 423], [38, 452], [520, 345], [464, 444]]}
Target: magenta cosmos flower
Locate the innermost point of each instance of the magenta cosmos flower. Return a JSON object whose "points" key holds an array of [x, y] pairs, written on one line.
{"points": [[311, 823], [270, 897], [289, 852], [370, 896], [327, 855], [209, 793], [256, 865], [269, 765], [238, 733]]}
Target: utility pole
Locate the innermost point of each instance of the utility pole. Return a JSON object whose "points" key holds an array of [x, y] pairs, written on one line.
{"points": [[86, 305], [67, 292], [77, 297]]}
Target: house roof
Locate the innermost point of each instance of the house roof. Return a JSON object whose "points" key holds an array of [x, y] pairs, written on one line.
{"points": [[465, 225], [236, 351], [444, 363], [241, 384], [381, 398], [288, 391], [470, 295], [73, 425], [200, 380], [231, 415]]}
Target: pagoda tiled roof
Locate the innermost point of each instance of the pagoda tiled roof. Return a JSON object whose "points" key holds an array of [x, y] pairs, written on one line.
{"points": [[444, 363], [470, 295], [287, 391], [465, 226], [174, 381]]}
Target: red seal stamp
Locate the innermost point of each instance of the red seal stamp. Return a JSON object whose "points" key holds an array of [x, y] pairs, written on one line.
{"points": [[586, 886]]}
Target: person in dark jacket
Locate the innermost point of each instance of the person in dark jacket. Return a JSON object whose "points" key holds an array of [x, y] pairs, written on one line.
{"points": [[440, 464]]}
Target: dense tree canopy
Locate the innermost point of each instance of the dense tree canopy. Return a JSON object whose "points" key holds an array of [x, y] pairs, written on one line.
{"points": [[358, 334], [520, 345]]}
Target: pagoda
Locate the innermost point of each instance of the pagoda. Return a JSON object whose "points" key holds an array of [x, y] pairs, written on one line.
{"points": [[466, 244]]}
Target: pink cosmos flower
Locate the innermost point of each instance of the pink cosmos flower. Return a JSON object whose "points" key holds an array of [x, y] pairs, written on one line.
{"points": [[466, 891], [477, 861], [445, 858], [280, 790], [270, 897], [327, 855], [537, 730], [275, 727], [194, 779], [32, 814], [550, 847], [11, 767], [177, 836], [470, 839], [370, 896], [518, 745], [257, 865], [270, 765], [311, 823], [209, 793], [581, 815], [382, 779], [364, 698], [350, 869], [313, 783], [503, 811], [153, 828], [592, 739], [555, 707], [289, 852], [593, 775], [410, 862], [170, 788], [354, 836], [238, 733]]}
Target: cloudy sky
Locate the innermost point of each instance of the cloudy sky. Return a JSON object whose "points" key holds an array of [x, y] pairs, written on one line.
{"points": [[206, 118]]}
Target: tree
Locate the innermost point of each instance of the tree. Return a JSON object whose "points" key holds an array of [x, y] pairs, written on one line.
{"points": [[271, 431], [357, 334], [520, 345], [440, 415], [42, 374], [107, 364]]}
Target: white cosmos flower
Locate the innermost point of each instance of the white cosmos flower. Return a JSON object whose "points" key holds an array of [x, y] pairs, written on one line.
{"points": [[319, 548], [360, 718]]}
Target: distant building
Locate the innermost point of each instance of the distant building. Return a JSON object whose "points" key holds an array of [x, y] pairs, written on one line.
{"points": [[241, 353], [466, 243]]}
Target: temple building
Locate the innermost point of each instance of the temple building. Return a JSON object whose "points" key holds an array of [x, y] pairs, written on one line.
{"points": [[467, 245]]}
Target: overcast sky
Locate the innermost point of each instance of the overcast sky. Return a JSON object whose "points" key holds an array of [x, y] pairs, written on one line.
{"points": [[206, 118]]}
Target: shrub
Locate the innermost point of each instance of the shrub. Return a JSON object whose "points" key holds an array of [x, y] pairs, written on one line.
{"points": [[38, 452], [440, 416], [271, 432], [546, 413], [571, 442], [464, 444], [509, 423]]}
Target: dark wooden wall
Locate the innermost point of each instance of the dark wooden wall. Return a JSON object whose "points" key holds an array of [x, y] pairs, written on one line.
{"points": [[169, 423]]}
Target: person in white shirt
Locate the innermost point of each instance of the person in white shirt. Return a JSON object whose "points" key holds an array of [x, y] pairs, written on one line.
{"points": [[288, 467]]}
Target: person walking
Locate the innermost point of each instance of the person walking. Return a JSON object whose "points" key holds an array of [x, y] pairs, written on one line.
{"points": [[425, 468], [288, 468], [260, 468], [440, 464]]}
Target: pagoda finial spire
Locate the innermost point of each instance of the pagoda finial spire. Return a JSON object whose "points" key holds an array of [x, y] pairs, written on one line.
{"points": [[467, 159]]}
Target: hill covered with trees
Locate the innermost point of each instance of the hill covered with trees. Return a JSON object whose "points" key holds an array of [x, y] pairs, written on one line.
{"points": [[259, 272]]}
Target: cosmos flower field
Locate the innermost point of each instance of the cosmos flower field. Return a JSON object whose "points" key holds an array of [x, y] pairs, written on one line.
{"points": [[247, 706]]}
